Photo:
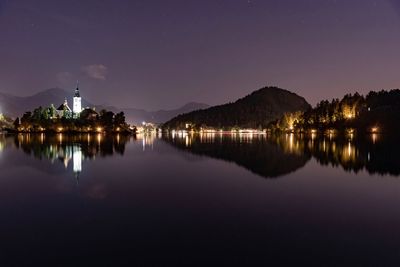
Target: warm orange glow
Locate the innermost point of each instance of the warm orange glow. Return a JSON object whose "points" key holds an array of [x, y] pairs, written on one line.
{"points": [[99, 129], [374, 129], [349, 112], [374, 138]]}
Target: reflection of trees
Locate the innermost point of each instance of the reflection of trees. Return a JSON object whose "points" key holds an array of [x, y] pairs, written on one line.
{"points": [[61, 146], [373, 153], [276, 155], [269, 157], [2, 142]]}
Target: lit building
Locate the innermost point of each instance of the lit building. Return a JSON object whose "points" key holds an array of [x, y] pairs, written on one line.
{"points": [[77, 107], [64, 110]]}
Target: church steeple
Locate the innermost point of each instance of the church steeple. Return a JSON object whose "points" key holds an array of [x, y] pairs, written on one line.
{"points": [[77, 94], [77, 108]]}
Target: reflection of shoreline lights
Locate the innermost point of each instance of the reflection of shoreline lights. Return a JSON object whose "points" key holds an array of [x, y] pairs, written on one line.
{"points": [[99, 138], [291, 136], [313, 135], [331, 133], [350, 133], [349, 153], [292, 140], [374, 138], [147, 140], [188, 141], [68, 149], [221, 131], [349, 149]]}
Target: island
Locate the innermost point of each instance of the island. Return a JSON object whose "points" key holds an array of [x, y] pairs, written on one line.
{"points": [[64, 119]]}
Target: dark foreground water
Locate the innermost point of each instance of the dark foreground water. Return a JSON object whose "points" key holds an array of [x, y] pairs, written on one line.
{"points": [[199, 200]]}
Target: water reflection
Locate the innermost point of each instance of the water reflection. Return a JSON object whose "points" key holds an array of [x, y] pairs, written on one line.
{"points": [[68, 149], [276, 155], [147, 140], [269, 156], [377, 154]]}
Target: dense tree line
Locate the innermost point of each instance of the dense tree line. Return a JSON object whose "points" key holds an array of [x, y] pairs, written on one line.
{"points": [[46, 119], [378, 111]]}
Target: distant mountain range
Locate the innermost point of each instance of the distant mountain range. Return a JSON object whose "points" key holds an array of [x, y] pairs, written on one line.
{"points": [[15, 106], [137, 116], [254, 111]]}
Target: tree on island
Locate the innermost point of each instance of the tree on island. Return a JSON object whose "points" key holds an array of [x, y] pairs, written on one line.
{"points": [[5, 122], [49, 120]]}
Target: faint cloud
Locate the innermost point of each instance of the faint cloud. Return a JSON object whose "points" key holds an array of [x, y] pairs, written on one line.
{"points": [[96, 71]]}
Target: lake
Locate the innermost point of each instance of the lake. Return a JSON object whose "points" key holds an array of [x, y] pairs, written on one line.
{"points": [[208, 199]]}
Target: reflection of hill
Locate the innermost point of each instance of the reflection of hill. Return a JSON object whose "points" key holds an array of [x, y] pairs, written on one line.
{"points": [[267, 157], [273, 156]]}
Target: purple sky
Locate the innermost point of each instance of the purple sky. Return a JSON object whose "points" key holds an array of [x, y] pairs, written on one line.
{"points": [[163, 53]]}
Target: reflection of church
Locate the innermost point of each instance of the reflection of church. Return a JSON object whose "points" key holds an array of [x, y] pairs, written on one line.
{"points": [[73, 153]]}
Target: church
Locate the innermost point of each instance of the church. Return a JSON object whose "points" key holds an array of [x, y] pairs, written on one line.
{"points": [[64, 111]]}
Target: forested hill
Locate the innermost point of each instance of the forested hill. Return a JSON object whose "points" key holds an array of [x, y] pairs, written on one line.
{"points": [[256, 110]]}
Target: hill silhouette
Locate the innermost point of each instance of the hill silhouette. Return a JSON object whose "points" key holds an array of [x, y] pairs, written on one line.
{"points": [[255, 110]]}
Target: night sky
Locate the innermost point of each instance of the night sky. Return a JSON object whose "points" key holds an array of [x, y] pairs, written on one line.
{"points": [[163, 53]]}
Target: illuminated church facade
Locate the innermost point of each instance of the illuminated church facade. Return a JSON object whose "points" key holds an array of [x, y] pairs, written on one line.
{"points": [[65, 111], [77, 107]]}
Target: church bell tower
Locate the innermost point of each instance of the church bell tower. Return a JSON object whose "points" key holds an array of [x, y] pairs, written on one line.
{"points": [[77, 108]]}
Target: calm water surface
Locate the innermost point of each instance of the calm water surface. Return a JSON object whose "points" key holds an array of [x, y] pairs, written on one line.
{"points": [[199, 200]]}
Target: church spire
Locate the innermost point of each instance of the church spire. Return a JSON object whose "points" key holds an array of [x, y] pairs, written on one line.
{"points": [[77, 89]]}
